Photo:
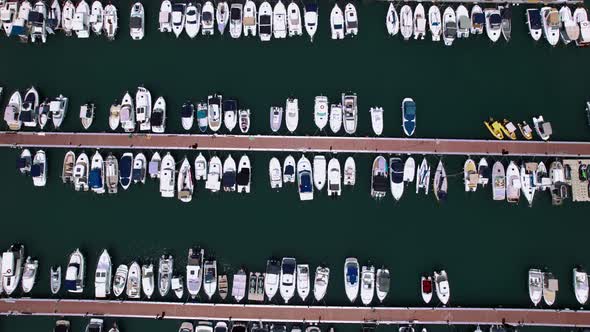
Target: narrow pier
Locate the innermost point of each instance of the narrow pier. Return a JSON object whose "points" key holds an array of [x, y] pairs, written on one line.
{"points": [[336, 144], [287, 313]]}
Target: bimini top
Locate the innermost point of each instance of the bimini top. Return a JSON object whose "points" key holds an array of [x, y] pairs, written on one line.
{"points": [[479, 18], [380, 183], [495, 19], [352, 273], [187, 110], [36, 170], [135, 22], [305, 185], [397, 174], [289, 170], [36, 18], [228, 179], [311, 7], [230, 105], [235, 13], [157, 119], [244, 177], [535, 18], [26, 116], [207, 16], [125, 166], [288, 266], [95, 178]]}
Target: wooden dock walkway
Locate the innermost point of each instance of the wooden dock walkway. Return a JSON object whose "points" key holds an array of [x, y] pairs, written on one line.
{"points": [[343, 144], [287, 313]]}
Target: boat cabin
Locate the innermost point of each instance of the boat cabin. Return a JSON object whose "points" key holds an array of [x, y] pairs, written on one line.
{"points": [[80, 25]]}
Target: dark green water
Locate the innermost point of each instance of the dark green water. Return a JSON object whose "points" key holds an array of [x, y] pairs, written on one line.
{"points": [[485, 246]]}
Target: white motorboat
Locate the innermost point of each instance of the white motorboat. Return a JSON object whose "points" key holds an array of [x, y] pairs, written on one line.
{"points": [[337, 22], [28, 114], [440, 183], [194, 271], [423, 176], [349, 112], [409, 115], [506, 13], [478, 20], [249, 18], [95, 324], [165, 268], [187, 115], [12, 111], [97, 17], [484, 171], [154, 165], [498, 182], [133, 287], [434, 22], [54, 279], [192, 17], [143, 108], [96, 175], [265, 20], [244, 176], [558, 187], [8, 13], [214, 174], [409, 169], [39, 169], [351, 278], [178, 18], [349, 172], [382, 284], [81, 22], [67, 17], [294, 20], [200, 167], [334, 178], [441, 283], [377, 120], [185, 182], [235, 20], [449, 26], [335, 117], [581, 18], [115, 116], [271, 278], [138, 174], [320, 284], [137, 21], [550, 288], [58, 108], [551, 22], [238, 290], [513, 184], [165, 16], [319, 172], [103, 276], [111, 21], [310, 18], [570, 30], [127, 114], [120, 280], [279, 21], [304, 179], [210, 278], [158, 118], [287, 278], [426, 287], [87, 115], [29, 274], [396, 177], [43, 113], [222, 16], [292, 114], [493, 23], [167, 176], [274, 172], [112, 174], [147, 280], [12, 267], [419, 22], [214, 111], [289, 168], [230, 114], [542, 127], [463, 22], [392, 20], [580, 281], [470, 175], [367, 284], [276, 118], [244, 120], [534, 23], [126, 170], [228, 179], [75, 273], [528, 174], [25, 161], [379, 178], [80, 174], [351, 21], [406, 22], [177, 286], [303, 282]]}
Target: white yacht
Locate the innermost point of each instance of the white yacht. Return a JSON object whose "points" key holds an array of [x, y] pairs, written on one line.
{"points": [[165, 268], [478, 20], [484, 171], [534, 23], [230, 114], [120, 280], [434, 22], [178, 18], [12, 267], [528, 174], [214, 111], [288, 278], [535, 285], [513, 184], [244, 176], [276, 118], [214, 174], [419, 22], [580, 281], [279, 21], [39, 169], [292, 114], [192, 23], [379, 178], [294, 20], [581, 18], [12, 111], [392, 20], [54, 280], [96, 17], [265, 21], [200, 167], [38, 19], [235, 20], [147, 280], [271, 278], [103, 276], [143, 108], [111, 21], [154, 165], [409, 115], [58, 108], [165, 16], [80, 174], [134, 281], [426, 287], [319, 172], [570, 30], [249, 18], [210, 278], [349, 172], [177, 286], [351, 21], [167, 176], [244, 120], [406, 22], [337, 22], [67, 17], [304, 179], [289, 168], [114, 116], [126, 170], [194, 271], [320, 284], [25, 161], [377, 120], [463, 22], [127, 114], [551, 22], [274, 172], [137, 21], [493, 23], [28, 114], [396, 177], [222, 16], [441, 283], [350, 113], [470, 175], [139, 170], [449, 26], [228, 178], [87, 115], [542, 127], [185, 182], [238, 290], [409, 169], [8, 14], [335, 117], [75, 273], [367, 284], [498, 182], [96, 176], [550, 288], [303, 282], [334, 178], [112, 174], [158, 118], [423, 176], [81, 22], [187, 115], [382, 284], [310, 18], [440, 184], [351, 278]]}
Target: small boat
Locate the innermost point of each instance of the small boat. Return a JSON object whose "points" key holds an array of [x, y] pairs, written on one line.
{"points": [[406, 22], [133, 287], [294, 20], [303, 281], [291, 114], [12, 111], [244, 120], [165, 268], [154, 165], [24, 162], [319, 172], [235, 20], [434, 22], [29, 274], [111, 21], [178, 19], [244, 176], [335, 117], [176, 285], [351, 21], [423, 176], [349, 172], [67, 171], [581, 18], [39, 169], [147, 280], [158, 118], [495, 128], [449, 26], [426, 288], [279, 21], [541, 179], [367, 284], [58, 109], [223, 286], [513, 184], [528, 174], [81, 170], [96, 175], [478, 20], [12, 267], [409, 170], [137, 21], [287, 278], [265, 21], [214, 111], [409, 116], [377, 120], [200, 167], [28, 114], [55, 279], [271, 278], [337, 22], [304, 179], [320, 284], [96, 17], [542, 128], [114, 116], [396, 177], [440, 184], [525, 130], [127, 114], [222, 16], [288, 169], [210, 278], [508, 129], [320, 114], [558, 187], [185, 186], [382, 284], [249, 18], [202, 118], [80, 22], [484, 172], [534, 23], [238, 290], [276, 118], [143, 108], [379, 178], [550, 288], [167, 176], [165, 16], [419, 22], [103, 276], [441, 283], [87, 115], [350, 113], [228, 179], [214, 174], [126, 170], [351, 278], [470, 175], [310, 18], [551, 23], [43, 113], [194, 271], [498, 182], [75, 273], [493, 23], [230, 114], [67, 17], [506, 13], [392, 20], [334, 178], [95, 324], [580, 281], [463, 22], [187, 115]]}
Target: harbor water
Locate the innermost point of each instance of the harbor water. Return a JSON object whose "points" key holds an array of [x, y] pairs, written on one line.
{"points": [[486, 247]]}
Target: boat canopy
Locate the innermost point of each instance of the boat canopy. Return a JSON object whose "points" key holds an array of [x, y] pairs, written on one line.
{"points": [[288, 266], [451, 29], [164, 17], [154, 167], [187, 110], [36, 170], [409, 110], [305, 182], [228, 179], [36, 18], [26, 115], [23, 162], [495, 19], [135, 22], [125, 166], [95, 178], [352, 273], [207, 16], [85, 112], [397, 174], [10, 114], [243, 177], [230, 105], [311, 7], [427, 286], [137, 173], [289, 170], [157, 118], [236, 13], [125, 113], [380, 183], [464, 22], [479, 19]]}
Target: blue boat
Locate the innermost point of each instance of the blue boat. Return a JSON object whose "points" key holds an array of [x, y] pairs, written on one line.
{"points": [[305, 179], [96, 175], [125, 168], [409, 116], [351, 278]]}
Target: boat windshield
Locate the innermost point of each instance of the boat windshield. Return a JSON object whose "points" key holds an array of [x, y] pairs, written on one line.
{"points": [[409, 110], [187, 111]]}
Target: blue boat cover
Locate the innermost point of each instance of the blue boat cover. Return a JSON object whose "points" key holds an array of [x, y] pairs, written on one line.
{"points": [[187, 110], [495, 19], [311, 7], [36, 170], [535, 18], [352, 274], [136, 174], [228, 179], [230, 105], [26, 116], [305, 185], [94, 178], [479, 18], [289, 267], [289, 170], [125, 166], [70, 284], [17, 30], [410, 110], [178, 7], [21, 162]]}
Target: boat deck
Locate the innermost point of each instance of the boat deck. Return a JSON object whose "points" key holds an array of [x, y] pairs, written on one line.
{"points": [[344, 144], [287, 313], [579, 187]]}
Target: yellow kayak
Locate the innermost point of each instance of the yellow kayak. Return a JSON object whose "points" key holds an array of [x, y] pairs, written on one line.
{"points": [[494, 128], [509, 129]]}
